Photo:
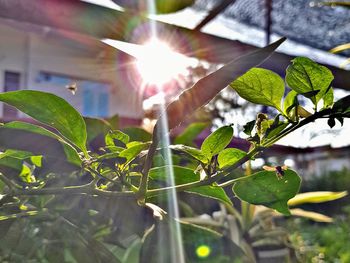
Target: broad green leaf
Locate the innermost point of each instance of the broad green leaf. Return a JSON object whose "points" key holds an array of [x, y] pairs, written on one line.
{"points": [[217, 141], [290, 101], [275, 128], [328, 99], [248, 127], [208, 87], [116, 135], [264, 188], [21, 155], [32, 138], [342, 105], [113, 122], [302, 112], [260, 86], [131, 152], [317, 217], [229, 157], [305, 75], [26, 174], [132, 254], [315, 197], [212, 191], [96, 127], [310, 94], [13, 163], [37, 160], [51, 110], [184, 175], [199, 244], [265, 125], [194, 152], [137, 134], [190, 133]]}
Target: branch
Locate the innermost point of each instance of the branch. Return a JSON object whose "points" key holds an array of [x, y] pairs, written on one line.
{"points": [[210, 180], [72, 190], [148, 164], [8, 182]]}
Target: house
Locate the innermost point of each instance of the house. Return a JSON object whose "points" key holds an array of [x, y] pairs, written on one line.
{"points": [[47, 59]]}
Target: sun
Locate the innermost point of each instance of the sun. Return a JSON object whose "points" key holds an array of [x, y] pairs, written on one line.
{"points": [[159, 63]]}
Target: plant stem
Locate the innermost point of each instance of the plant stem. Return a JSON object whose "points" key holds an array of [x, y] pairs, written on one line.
{"points": [[71, 190], [142, 191], [208, 181], [8, 182], [293, 127], [143, 186]]}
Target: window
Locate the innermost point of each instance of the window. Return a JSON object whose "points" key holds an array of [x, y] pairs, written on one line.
{"points": [[11, 83], [95, 99], [92, 97]]}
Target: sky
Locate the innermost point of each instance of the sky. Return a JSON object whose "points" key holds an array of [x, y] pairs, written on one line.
{"points": [[317, 133]]}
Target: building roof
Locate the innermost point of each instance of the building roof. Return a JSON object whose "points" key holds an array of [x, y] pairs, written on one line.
{"points": [[304, 21]]}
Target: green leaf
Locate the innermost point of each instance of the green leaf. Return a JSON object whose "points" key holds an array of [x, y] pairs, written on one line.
{"points": [[37, 160], [184, 175], [194, 152], [260, 86], [290, 102], [116, 135], [133, 150], [316, 197], [275, 128], [208, 87], [132, 254], [21, 155], [190, 133], [212, 191], [264, 188], [26, 174], [302, 112], [199, 244], [328, 99], [310, 94], [342, 105], [137, 134], [32, 138], [229, 157], [51, 110], [248, 127], [96, 127], [113, 122], [217, 141], [13, 163], [305, 75]]}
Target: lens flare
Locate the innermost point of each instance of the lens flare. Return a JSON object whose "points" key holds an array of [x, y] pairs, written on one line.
{"points": [[159, 64], [203, 251]]}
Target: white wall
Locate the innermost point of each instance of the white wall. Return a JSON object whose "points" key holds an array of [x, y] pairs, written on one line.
{"points": [[30, 53]]}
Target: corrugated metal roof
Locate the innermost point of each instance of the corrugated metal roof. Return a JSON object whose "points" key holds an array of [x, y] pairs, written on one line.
{"points": [[303, 21]]}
